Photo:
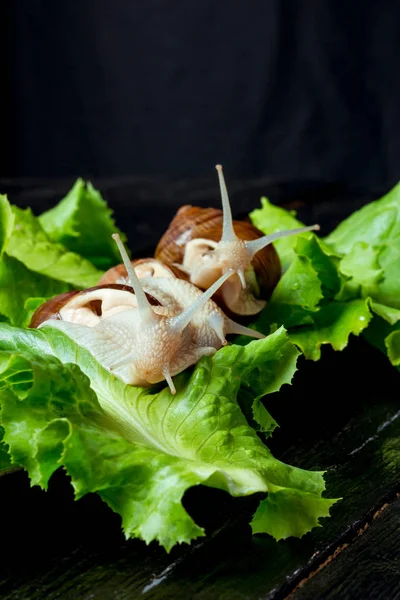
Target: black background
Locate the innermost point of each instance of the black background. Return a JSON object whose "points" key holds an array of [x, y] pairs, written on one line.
{"points": [[291, 90]]}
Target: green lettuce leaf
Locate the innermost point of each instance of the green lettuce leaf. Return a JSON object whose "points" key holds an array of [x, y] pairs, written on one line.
{"points": [[255, 412], [374, 224], [307, 301], [5, 459], [19, 286], [386, 338], [323, 261], [333, 325], [361, 266], [264, 368], [17, 283], [34, 268], [331, 287], [269, 219], [369, 242], [390, 314], [392, 343], [31, 246], [310, 328], [300, 286], [294, 299], [83, 223], [6, 222], [141, 449]]}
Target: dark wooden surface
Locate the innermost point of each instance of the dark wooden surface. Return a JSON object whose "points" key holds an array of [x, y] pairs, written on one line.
{"points": [[341, 414], [367, 568]]}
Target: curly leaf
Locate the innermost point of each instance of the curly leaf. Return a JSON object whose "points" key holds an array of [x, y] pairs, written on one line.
{"points": [[141, 449], [369, 242], [6, 222], [83, 223], [31, 246], [374, 224], [333, 325], [19, 285]]}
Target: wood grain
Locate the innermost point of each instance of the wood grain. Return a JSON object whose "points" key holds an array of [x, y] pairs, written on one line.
{"points": [[367, 568]]}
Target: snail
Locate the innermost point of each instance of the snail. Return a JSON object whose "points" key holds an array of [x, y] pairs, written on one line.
{"points": [[143, 338], [204, 243], [159, 281], [211, 323]]}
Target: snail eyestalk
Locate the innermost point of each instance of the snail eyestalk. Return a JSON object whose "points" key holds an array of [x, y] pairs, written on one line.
{"points": [[181, 321], [145, 310], [217, 323], [256, 245], [228, 233], [238, 329]]}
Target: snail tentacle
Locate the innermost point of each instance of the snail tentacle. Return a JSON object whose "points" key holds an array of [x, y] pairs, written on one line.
{"points": [[228, 232], [217, 323], [145, 309], [168, 379], [230, 251], [255, 246], [181, 321], [233, 327]]}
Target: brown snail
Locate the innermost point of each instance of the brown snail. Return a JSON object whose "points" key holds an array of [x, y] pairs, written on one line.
{"points": [[159, 281], [143, 343], [204, 243]]}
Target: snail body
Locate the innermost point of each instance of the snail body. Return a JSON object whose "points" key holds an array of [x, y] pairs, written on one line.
{"points": [[140, 342], [205, 243], [210, 322]]}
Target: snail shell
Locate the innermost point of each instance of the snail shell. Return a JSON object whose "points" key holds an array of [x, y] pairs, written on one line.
{"points": [[87, 307], [205, 225]]}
